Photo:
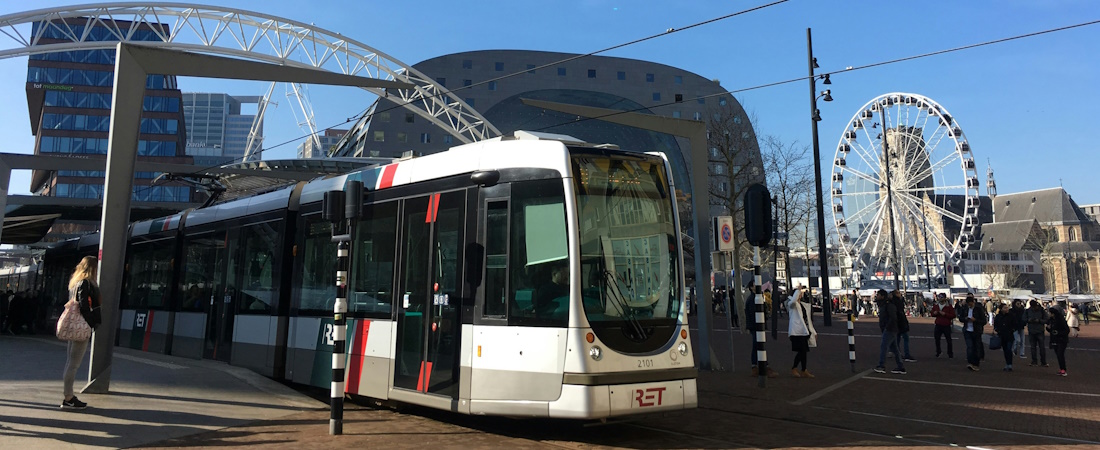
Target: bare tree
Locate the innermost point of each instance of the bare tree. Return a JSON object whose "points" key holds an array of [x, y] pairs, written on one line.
{"points": [[790, 180], [734, 164]]}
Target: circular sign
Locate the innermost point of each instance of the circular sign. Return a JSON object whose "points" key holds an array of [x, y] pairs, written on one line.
{"points": [[727, 233]]}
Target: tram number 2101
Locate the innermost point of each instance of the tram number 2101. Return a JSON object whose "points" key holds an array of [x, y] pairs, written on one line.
{"points": [[642, 363]]}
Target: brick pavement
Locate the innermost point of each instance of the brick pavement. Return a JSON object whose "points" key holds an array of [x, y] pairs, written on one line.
{"points": [[938, 402]]}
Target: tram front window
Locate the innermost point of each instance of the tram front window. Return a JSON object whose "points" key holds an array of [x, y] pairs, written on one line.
{"points": [[629, 249]]}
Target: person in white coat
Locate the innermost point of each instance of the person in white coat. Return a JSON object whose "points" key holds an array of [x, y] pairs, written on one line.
{"points": [[801, 331]]}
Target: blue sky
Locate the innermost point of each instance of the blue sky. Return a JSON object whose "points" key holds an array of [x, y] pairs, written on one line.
{"points": [[1026, 106]]}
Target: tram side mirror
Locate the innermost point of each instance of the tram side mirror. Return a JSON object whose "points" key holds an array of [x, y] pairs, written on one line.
{"points": [[353, 206], [758, 215], [332, 207], [485, 177]]}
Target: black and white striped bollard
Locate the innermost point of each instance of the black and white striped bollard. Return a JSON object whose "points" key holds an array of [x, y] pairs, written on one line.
{"points": [[339, 338], [761, 335], [852, 341]]}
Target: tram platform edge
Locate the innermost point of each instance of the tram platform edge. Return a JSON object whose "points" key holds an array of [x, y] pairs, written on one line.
{"points": [[152, 398]]}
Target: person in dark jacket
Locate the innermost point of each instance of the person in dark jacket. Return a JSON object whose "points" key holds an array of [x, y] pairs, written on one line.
{"points": [[903, 326], [1004, 324], [944, 314], [888, 324], [1059, 337], [84, 291], [1020, 314], [1037, 319], [973, 318]]}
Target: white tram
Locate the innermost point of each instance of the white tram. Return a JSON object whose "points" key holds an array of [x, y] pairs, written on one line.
{"points": [[519, 276]]}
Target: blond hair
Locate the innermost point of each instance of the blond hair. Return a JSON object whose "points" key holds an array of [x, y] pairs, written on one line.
{"points": [[85, 270]]}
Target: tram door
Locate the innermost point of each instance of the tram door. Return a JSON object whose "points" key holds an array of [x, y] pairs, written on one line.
{"points": [[220, 306], [428, 327]]}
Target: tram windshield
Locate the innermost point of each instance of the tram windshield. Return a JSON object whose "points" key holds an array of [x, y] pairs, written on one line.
{"points": [[629, 247]]}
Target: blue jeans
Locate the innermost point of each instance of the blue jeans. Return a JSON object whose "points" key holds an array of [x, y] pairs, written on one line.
{"points": [[1019, 343], [903, 343], [889, 343], [973, 341]]}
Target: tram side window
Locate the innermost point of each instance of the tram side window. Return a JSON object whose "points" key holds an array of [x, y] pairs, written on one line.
{"points": [[538, 256], [496, 259], [150, 269], [199, 262], [259, 289], [318, 291], [373, 253]]}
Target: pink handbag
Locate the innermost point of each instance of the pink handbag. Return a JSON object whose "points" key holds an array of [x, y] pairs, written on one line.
{"points": [[72, 326]]}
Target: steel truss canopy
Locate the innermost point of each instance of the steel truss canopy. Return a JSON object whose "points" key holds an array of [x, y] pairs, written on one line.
{"points": [[249, 35]]}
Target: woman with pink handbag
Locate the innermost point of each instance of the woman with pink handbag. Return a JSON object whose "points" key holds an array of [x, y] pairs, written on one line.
{"points": [[84, 298]]}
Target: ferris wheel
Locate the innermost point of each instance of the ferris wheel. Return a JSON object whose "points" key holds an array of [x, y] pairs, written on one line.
{"points": [[912, 210]]}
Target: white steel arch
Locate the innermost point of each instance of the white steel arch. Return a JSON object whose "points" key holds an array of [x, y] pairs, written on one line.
{"points": [[248, 35]]}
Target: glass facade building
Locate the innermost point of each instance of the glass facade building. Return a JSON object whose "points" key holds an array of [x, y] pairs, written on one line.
{"points": [[69, 102], [217, 132], [310, 148]]}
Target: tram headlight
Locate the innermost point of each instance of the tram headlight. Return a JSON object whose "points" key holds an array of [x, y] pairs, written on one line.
{"points": [[595, 352], [683, 348]]}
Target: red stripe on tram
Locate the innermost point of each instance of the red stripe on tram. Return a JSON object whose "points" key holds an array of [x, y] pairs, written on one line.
{"points": [[387, 176], [148, 332], [425, 376], [357, 358], [433, 208]]}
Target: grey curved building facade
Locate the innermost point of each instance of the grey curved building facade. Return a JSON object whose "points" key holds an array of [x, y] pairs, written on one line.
{"points": [[600, 81]]}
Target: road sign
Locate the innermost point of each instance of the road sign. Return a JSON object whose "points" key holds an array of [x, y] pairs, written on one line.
{"points": [[723, 233]]}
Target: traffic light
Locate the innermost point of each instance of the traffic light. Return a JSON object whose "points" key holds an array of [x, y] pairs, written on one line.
{"points": [[758, 215]]}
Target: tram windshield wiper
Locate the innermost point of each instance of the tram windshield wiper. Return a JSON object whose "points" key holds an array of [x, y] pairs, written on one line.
{"points": [[614, 292]]}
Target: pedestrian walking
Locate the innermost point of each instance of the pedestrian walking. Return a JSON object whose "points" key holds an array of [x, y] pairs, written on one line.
{"points": [[973, 318], [85, 292], [944, 314], [1037, 319], [888, 324], [1072, 321], [1004, 325], [1059, 338], [801, 331], [903, 325], [1020, 315]]}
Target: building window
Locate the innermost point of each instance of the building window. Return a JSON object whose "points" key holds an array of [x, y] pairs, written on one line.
{"points": [[467, 82], [425, 138], [676, 114], [591, 73], [379, 136], [469, 101], [410, 118], [467, 64], [713, 152], [384, 116], [722, 101], [697, 116], [737, 120], [678, 79], [649, 78], [718, 169], [656, 96], [531, 68], [448, 139], [441, 81], [492, 85], [561, 71], [402, 137], [701, 100], [620, 75], [499, 66], [1072, 234]]}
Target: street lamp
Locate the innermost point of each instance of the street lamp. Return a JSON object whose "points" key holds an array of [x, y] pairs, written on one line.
{"points": [[815, 117]]}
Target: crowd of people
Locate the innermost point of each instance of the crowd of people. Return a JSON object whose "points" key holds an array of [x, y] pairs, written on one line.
{"points": [[23, 312]]}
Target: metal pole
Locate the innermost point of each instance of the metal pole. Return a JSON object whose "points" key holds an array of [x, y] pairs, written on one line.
{"points": [[852, 342], [924, 232], [761, 335], [339, 335], [823, 254]]}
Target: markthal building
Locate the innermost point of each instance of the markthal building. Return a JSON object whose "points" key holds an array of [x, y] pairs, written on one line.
{"points": [[596, 81]]}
